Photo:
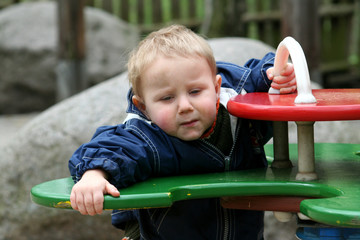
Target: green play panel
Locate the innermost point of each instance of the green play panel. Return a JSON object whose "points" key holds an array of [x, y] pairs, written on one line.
{"points": [[336, 193]]}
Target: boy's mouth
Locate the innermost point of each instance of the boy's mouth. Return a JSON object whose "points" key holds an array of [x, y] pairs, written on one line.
{"points": [[189, 123]]}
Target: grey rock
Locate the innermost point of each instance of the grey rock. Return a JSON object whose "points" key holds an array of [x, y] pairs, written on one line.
{"points": [[238, 50], [28, 53], [39, 152], [331, 132]]}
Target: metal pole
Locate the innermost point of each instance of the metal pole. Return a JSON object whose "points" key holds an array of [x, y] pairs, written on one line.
{"points": [[306, 152], [281, 145], [71, 71]]}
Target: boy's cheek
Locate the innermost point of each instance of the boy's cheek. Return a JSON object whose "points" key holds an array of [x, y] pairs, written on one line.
{"points": [[164, 120], [208, 109]]}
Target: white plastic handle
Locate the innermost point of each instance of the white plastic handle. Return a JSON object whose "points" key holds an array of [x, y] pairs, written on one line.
{"points": [[289, 46]]}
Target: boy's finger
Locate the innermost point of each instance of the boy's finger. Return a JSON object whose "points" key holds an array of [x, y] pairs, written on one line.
{"points": [[289, 84], [80, 204], [269, 73], [287, 90], [98, 202], [89, 205], [112, 190], [73, 200], [289, 79], [288, 69]]}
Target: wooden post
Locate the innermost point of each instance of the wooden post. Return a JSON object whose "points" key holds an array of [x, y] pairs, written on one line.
{"points": [[71, 77], [300, 19]]}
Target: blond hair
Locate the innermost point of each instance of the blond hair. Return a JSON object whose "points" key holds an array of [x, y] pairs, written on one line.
{"points": [[172, 41]]}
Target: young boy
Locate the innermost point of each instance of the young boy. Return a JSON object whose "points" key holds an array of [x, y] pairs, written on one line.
{"points": [[178, 124]]}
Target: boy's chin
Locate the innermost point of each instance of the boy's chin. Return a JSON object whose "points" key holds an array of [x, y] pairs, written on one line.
{"points": [[190, 137]]}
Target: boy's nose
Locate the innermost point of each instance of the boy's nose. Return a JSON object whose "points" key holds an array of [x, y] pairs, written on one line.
{"points": [[184, 105]]}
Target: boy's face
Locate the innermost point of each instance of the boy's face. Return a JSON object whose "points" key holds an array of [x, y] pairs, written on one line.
{"points": [[179, 95]]}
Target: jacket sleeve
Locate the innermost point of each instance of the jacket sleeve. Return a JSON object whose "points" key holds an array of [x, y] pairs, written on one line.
{"points": [[251, 77], [124, 152], [257, 80]]}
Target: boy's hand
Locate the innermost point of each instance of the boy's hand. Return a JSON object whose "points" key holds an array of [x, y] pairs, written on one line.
{"points": [[87, 196], [286, 81]]}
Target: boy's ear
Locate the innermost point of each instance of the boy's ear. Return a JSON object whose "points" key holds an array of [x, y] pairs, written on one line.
{"points": [[139, 103], [218, 84]]}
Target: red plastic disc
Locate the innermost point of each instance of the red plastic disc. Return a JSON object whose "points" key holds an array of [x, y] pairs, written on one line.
{"points": [[331, 105]]}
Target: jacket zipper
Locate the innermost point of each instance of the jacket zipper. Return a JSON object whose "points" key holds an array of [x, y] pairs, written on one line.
{"points": [[226, 159], [226, 224], [227, 162]]}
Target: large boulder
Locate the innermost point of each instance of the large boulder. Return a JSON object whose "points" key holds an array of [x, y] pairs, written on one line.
{"points": [[40, 151], [28, 53], [238, 50]]}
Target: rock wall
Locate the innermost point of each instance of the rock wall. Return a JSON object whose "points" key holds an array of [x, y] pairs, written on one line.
{"points": [[40, 151], [28, 53]]}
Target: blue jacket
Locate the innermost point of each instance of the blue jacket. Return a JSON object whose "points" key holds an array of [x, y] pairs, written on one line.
{"points": [[138, 149]]}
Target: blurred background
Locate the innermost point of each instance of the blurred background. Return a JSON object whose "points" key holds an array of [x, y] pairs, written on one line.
{"points": [[62, 74], [328, 31]]}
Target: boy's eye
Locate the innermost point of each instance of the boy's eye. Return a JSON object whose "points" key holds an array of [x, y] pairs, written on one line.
{"points": [[195, 91], [166, 98]]}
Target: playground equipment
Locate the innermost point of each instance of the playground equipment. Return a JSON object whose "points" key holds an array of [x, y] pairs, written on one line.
{"points": [[324, 185]]}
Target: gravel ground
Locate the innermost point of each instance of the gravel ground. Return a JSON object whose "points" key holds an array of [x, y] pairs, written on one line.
{"points": [[10, 124], [274, 230]]}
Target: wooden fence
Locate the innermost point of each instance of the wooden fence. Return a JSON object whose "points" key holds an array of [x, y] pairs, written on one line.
{"points": [[149, 15], [339, 31], [257, 19]]}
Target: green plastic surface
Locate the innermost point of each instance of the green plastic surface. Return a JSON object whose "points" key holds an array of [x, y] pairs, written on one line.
{"points": [[337, 165]]}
